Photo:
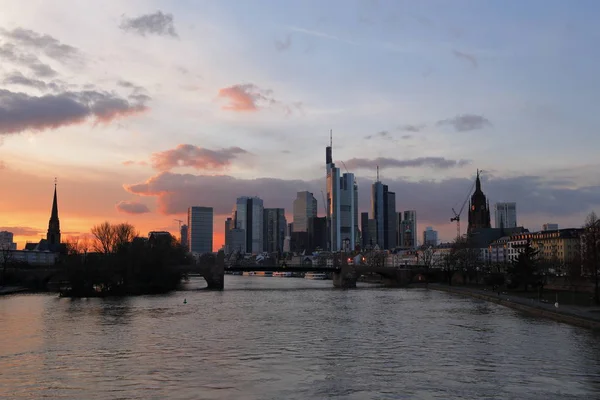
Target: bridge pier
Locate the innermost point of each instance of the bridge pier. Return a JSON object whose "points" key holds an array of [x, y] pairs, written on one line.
{"points": [[214, 275], [397, 278], [345, 278]]}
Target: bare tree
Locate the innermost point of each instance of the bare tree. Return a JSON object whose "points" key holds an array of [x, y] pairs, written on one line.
{"points": [[104, 239], [123, 234], [6, 256], [427, 255], [72, 243]]}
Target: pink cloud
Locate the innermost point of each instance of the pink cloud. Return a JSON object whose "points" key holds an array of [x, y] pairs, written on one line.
{"points": [[187, 155], [132, 207], [132, 162], [244, 97]]}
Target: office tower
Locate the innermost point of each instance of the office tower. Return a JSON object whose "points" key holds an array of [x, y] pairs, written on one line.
{"points": [[408, 229], [506, 215], [348, 212], [479, 209], [399, 239], [430, 237], [334, 241], [550, 227], [183, 236], [383, 210], [305, 207], [249, 217], [200, 229], [274, 227], [364, 230], [317, 233]]}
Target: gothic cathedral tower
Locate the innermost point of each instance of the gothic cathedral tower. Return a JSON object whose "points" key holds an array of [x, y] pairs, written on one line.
{"points": [[479, 209], [53, 235]]}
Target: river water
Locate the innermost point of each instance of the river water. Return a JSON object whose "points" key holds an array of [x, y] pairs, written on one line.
{"points": [[286, 338]]}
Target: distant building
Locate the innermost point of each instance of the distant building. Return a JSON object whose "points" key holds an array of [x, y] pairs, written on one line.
{"points": [[383, 211], [430, 237], [274, 227], [248, 214], [200, 229], [505, 215], [479, 209], [364, 229], [317, 233], [6, 241], [408, 229], [305, 207], [550, 227], [183, 236]]}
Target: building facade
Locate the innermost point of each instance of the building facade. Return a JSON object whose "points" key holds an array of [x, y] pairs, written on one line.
{"points": [[6, 241], [305, 207], [550, 227], [505, 215], [183, 236], [408, 230], [274, 227], [200, 229], [430, 237], [248, 214], [383, 211]]}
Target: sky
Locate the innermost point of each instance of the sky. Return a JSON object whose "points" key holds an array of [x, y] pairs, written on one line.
{"points": [[141, 109]]}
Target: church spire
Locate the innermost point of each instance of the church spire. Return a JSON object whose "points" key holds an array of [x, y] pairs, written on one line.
{"points": [[53, 235], [478, 183]]}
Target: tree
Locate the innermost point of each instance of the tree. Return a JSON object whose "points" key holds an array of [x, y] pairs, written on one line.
{"points": [[525, 267], [123, 234], [427, 255], [591, 244], [104, 239], [6, 256]]}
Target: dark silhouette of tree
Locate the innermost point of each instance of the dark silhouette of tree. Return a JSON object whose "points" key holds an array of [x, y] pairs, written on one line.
{"points": [[524, 268]]}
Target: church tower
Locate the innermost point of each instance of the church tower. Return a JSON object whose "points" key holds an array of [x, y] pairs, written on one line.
{"points": [[53, 235], [479, 209]]}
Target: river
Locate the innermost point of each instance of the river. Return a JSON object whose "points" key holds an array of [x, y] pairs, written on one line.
{"points": [[287, 338]]}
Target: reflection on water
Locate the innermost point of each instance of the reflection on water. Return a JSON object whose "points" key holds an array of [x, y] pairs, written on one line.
{"points": [[284, 338]]}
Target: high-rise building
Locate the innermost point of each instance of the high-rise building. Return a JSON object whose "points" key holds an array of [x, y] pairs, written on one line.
{"points": [[274, 227], [334, 240], [183, 236], [200, 229], [479, 209], [364, 230], [348, 212], [248, 215], [383, 210], [430, 237], [408, 229], [317, 233], [53, 235], [506, 215], [305, 207], [550, 227]]}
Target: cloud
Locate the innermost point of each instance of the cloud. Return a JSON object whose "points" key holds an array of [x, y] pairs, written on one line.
{"points": [[150, 24], [433, 200], [131, 162], [406, 137], [17, 78], [187, 155], [20, 112], [50, 46], [384, 162], [285, 44], [245, 97], [381, 134], [10, 53], [466, 122], [411, 128], [21, 230], [132, 207], [465, 56]]}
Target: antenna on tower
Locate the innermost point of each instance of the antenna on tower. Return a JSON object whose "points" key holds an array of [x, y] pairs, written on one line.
{"points": [[378, 173], [331, 138]]}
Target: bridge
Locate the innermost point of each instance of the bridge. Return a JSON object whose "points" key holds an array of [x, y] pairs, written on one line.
{"points": [[344, 275]]}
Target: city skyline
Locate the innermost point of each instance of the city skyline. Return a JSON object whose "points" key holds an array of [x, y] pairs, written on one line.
{"points": [[146, 125]]}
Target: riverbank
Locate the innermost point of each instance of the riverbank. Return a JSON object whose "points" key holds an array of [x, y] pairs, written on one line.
{"points": [[6, 290], [587, 317]]}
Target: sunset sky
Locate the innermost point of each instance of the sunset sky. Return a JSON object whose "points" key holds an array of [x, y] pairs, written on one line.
{"points": [[144, 108]]}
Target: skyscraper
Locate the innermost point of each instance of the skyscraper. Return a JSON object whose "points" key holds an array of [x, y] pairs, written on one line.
{"points": [[305, 207], [334, 241], [249, 217], [383, 210], [506, 215], [430, 237], [274, 227], [183, 236], [348, 212], [479, 209], [200, 229]]}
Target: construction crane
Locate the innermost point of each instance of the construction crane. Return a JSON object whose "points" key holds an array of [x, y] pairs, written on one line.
{"points": [[458, 214], [180, 222]]}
